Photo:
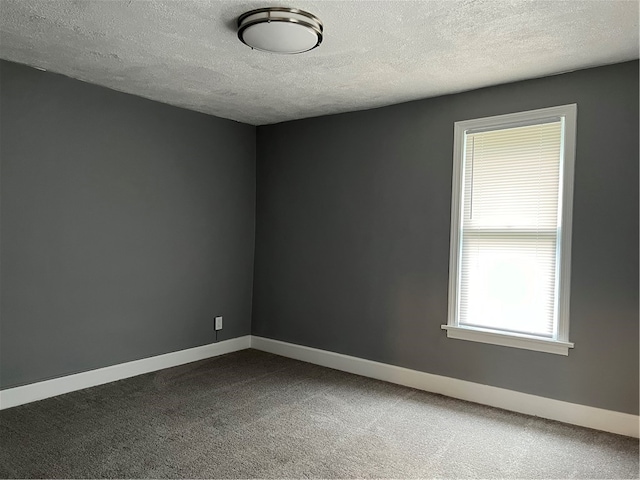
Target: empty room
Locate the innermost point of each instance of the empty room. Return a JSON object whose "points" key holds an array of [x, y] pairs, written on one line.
{"points": [[319, 239]]}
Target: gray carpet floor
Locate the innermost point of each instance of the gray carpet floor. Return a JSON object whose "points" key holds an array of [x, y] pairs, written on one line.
{"points": [[251, 414]]}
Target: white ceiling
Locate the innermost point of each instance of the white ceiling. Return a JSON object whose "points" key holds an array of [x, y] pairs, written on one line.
{"points": [[186, 53]]}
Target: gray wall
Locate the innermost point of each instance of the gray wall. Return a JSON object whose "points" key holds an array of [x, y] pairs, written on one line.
{"points": [[352, 238], [127, 225]]}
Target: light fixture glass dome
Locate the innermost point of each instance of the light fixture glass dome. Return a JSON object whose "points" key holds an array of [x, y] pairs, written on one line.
{"points": [[280, 30]]}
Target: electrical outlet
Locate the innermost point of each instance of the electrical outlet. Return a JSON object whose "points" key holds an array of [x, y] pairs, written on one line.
{"points": [[218, 324]]}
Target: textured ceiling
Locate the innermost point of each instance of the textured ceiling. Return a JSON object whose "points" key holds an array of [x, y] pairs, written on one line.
{"points": [[186, 53]]}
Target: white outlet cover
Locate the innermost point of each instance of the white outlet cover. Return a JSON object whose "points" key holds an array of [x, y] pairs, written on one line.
{"points": [[218, 324]]}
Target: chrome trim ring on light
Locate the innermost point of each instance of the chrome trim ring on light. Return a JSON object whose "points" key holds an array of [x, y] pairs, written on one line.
{"points": [[314, 22]]}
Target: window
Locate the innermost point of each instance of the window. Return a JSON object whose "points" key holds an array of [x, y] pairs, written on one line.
{"points": [[511, 229]]}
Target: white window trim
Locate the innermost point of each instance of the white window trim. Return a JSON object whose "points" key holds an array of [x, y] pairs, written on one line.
{"points": [[559, 344]]}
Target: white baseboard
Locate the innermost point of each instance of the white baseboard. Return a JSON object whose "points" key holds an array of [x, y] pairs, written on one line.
{"points": [[12, 397], [591, 417]]}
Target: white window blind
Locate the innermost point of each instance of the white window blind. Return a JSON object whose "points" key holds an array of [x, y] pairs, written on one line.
{"points": [[511, 208], [510, 228]]}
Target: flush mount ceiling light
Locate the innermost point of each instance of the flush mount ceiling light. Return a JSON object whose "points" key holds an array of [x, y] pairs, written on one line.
{"points": [[280, 30]]}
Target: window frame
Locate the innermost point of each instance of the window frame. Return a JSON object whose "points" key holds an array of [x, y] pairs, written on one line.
{"points": [[559, 343]]}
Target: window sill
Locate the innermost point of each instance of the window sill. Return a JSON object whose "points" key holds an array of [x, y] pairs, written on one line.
{"points": [[508, 340]]}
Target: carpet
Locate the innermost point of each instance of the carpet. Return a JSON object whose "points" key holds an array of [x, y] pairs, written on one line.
{"points": [[251, 414]]}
